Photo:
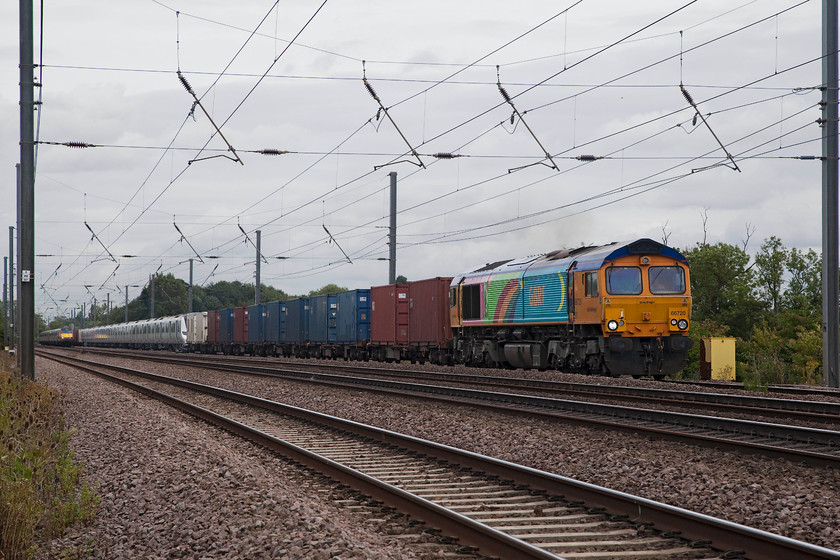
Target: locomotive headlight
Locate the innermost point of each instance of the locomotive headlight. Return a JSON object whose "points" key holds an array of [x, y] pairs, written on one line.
{"points": [[674, 322], [612, 325], [682, 324]]}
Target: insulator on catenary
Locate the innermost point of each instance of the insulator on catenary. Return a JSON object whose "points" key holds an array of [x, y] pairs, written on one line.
{"points": [[272, 152], [445, 155], [687, 95], [588, 157], [78, 145], [504, 93], [186, 84], [370, 89]]}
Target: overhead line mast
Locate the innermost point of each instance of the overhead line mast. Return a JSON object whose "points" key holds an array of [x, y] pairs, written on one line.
{"points": [[26, 194], [831, 246]]}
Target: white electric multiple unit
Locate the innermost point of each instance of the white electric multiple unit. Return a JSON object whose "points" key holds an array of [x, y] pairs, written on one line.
{"points": [[164, 332]]}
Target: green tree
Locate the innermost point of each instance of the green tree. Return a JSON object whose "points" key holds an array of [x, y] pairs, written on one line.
{"points": [[804, 287], [269, 293], [170, 299], [770, 270], [228, 294], [723, 287], [773, 307], [328, 289]]}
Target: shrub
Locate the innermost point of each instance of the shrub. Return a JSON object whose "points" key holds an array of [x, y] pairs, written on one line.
{"points": [[40, 489], [774, 356]]}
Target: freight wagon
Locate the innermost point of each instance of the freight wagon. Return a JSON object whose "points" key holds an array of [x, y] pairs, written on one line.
{"points": [[411, 321]]}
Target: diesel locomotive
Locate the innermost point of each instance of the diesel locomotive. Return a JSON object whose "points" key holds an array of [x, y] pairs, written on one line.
{"points": [[617, 309]]}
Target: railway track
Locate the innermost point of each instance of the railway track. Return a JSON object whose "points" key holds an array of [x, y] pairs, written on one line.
{"points": [[790, 411], [817, 447], [502, 509], [779, 389]]}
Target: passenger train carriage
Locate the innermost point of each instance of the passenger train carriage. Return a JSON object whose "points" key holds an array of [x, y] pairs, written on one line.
{"points": [[164, 333], [617, 309]]}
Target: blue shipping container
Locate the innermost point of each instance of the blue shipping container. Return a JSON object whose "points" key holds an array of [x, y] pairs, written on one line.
{"points": [[353, 320], [256, 323], [322, 318], [297, 320], [275, 322], [226, 325]]}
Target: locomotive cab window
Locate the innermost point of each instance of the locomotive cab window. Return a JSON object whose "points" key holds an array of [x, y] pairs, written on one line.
{"points": [[666, 280], [471, 302], [590, 281], [624, 280]]}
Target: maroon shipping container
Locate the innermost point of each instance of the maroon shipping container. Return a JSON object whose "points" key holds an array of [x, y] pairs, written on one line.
{"points": [[428, 312], [240, 325], [213, 327], [416, 313], [389, 314]]}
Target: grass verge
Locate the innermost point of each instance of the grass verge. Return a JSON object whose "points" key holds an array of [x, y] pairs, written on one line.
{"points": [[41, 493]]}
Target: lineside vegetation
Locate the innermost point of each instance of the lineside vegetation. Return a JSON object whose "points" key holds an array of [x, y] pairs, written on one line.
{"points": [[770, 302], [41, 493]]}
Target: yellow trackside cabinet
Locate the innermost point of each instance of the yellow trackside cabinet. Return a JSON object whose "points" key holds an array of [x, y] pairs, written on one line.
{"points": [[717, 358]]}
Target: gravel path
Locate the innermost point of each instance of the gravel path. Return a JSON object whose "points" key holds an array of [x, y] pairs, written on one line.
{"points": [[155, 481]]}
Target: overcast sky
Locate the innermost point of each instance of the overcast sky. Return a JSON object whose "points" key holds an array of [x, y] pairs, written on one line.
{"points": [[588, 78]]}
